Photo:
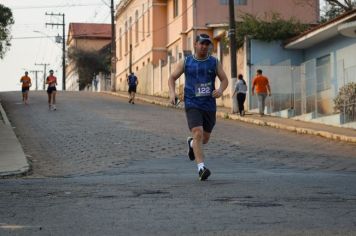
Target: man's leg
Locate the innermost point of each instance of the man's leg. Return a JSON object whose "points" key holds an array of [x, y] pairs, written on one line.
{"points": [[26, 97], [49, 99], [264, 95], [197, 133], [133, 97], [54, 99], [261, 102]]}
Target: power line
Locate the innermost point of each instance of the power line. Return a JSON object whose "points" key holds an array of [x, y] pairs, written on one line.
{"points": [[55, 6]]}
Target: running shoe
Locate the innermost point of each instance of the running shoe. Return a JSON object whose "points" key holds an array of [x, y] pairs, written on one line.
{"points": [[54, 107], [190, 152], [204, 174]]}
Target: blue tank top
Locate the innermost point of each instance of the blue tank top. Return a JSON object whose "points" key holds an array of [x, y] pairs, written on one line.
{"points": [[132, 80], [199, 83]]}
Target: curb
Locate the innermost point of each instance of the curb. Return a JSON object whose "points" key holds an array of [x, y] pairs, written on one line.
{"points": [[324, 134], [4, 116], [22, 164], [225, 115]]}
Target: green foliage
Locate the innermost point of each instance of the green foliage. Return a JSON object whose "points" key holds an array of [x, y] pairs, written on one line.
{"points": [[88, 63], [345, 101], [6, 20], [271, 28]]}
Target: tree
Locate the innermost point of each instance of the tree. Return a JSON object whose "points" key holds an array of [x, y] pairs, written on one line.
{"points": [[89, 63], [6, 20], [345, 101], [271, 28], [334, 8]]}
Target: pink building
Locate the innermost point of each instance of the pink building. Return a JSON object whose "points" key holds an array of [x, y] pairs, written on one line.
{"points": [[161, 32]]}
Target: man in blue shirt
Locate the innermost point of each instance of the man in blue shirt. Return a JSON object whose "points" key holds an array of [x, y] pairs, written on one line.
{"points": [[200, 96], [132, 82]]}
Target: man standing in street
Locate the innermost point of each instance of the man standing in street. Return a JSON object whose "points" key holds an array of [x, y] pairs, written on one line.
{"points": [[26, 84], [263, 89], [200, 96], [132, 82]]}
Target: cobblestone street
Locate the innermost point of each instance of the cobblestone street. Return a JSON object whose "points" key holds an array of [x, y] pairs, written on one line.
{"points": [[102, 166]]}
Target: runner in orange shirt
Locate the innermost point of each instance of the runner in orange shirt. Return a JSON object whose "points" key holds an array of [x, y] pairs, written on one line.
{"points": [[26, 84], [51, 90], [263, 89]]}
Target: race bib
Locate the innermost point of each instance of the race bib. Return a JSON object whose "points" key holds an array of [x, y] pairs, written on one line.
{"points": [[203, 90]]}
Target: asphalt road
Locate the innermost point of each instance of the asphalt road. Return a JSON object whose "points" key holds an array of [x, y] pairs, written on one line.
{"points": [[101, 166]]}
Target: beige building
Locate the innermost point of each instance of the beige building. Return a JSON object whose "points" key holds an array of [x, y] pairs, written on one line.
{"points": [[152, 35], [88, 37]]}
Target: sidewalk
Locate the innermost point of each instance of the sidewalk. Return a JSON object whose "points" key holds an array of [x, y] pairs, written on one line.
{"points": [[300, 127], [12, 156]]}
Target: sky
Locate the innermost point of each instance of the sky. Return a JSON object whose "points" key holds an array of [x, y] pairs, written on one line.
{"points": [[34, 43]]}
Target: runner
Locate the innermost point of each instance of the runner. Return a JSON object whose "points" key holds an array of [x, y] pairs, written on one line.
{"points": [[132, 82], [200, 96], [26, 84], [51, 90]]}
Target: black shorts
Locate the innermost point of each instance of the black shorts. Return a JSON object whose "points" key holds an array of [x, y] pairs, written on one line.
{"points": [[25, 89], [132, 88], [51, 89], [197, 117]]}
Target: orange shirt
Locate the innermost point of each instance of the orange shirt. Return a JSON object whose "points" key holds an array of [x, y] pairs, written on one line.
{"points": [[51, 81], [260, 83], [26, 81]]}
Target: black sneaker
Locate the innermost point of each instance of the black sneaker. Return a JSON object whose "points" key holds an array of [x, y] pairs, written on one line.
{"points": [[204, 174], [130, 100], [190, 152]]}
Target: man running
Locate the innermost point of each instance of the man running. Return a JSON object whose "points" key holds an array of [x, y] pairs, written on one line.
{"points": [[26, 84], [200, 96], [51, 90], [132, 82]]}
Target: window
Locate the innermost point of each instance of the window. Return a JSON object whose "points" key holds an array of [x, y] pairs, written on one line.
{"points": [[143, 21], [120, 43], [126, 39], [136, 27], [175, 8], [148, 18], [236, 2], [323, 80], [130, 30]]}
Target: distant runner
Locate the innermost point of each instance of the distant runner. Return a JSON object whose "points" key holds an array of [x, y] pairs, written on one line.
{"points": [[51, 90], [26, 84], [132, 82]]}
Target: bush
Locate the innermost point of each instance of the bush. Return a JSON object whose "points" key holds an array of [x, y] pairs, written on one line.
{"points": [[345, 101]]}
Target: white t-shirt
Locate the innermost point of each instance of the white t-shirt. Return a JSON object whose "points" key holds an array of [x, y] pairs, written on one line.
{"points": [[240, 87]]}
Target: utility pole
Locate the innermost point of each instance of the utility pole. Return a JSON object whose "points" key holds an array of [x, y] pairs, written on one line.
{"points": [[36, 77], [232, 38], [130, 59], [44, 73], [63, 45], [113, 48]]}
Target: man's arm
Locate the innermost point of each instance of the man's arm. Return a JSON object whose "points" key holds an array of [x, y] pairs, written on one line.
{"points": [[253, 88], [223, 82], [172, 79]]}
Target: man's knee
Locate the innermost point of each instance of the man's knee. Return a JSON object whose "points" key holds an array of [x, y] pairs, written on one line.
{"points": [[197, 133]]}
